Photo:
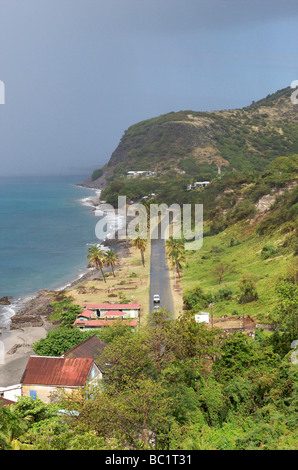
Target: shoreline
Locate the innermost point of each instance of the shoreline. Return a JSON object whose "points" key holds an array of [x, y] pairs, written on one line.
{"points": [[31, 322]]}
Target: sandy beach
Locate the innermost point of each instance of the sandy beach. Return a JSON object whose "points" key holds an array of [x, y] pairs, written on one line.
{"points": [[15, 350], [31, 324]]}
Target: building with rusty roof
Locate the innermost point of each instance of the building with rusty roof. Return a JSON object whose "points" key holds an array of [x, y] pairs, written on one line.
{"points": [[43, 376]]}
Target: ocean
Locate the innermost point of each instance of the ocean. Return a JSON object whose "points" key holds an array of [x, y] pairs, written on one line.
{"points": [[46, 225]]}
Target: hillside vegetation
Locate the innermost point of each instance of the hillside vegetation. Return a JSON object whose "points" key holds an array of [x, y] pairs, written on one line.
{"points": [[250, 208], [189, 144], [177, 384]]}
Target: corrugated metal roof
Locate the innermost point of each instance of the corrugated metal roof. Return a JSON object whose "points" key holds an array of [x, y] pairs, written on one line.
{"points": [[86, 313], [112, 306], [6, 402], [103, 322], [91, 347], [113, 313], [62, 371]]}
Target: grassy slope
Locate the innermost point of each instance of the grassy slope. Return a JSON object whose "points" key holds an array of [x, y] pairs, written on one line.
{"points": [[192, 142], [246, 259]]}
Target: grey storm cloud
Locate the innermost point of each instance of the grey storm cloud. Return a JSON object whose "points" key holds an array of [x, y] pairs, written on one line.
{"points": [[78, 73]]}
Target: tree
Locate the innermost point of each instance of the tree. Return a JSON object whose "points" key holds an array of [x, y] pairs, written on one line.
{"points": [[248, 291], [222, 270], [96, 258], [195, 340], [158, 338], [65, 312], [60, 340], [176, 260], [285, 164], [131, 414], [174, 245], [11, 428], [175, 253], [196, 298], [111, 259], [286, 312], [126, 356], [96, 174], [140, 244]]}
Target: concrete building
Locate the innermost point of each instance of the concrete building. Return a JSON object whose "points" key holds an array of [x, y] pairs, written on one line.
{"points": [[44, 376]]}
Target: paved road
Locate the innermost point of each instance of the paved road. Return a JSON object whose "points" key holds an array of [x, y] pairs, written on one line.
{"points": [[160, 276]]}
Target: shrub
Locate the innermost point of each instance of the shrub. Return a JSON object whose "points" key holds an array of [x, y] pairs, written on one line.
{"points": [[268, 251], [248, 291], [96, 174], [243, 210], [224, 294], [196, 298], [258, 192], [268, 224]]}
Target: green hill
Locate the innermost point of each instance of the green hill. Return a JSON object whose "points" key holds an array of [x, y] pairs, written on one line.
{"points": [[254, 242], [250, 210], [191, 143]]}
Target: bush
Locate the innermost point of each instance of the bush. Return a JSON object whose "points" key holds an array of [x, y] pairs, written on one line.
{"points": [[269, 224], [268, 251], [196, 298], [248, 291], [258, 192], [243, 210], [96, 174], [224, 294]]}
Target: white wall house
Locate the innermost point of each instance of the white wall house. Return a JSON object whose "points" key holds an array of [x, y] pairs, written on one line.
{"points": [[202, 317], [12, 392]]}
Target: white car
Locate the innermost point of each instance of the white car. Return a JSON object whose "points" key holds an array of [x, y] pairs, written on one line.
{"points": [[156, 298]]}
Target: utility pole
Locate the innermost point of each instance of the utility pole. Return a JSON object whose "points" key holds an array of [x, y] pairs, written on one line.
{"points": [[211, 305]]}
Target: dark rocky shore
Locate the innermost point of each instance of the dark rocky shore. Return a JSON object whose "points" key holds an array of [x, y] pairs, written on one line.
{"points": [[37, 310], [5, 300]]}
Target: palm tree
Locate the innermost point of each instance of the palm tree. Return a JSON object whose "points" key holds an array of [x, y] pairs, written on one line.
{"points": [[176, 259], [11, 427], [175, 253], [141, 244], [96, 258], [174, 244], [146, 204], [111, 259]]}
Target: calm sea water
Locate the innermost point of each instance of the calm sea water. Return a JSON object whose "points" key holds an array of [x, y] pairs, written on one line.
{"points": [[46, 225]]}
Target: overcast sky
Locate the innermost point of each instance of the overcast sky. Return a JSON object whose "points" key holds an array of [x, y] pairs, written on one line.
{"points": [[78, 73]]}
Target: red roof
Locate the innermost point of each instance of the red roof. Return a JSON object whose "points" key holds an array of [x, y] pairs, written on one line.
{"points": [[103, 322], [113, 313], [63, 371], [113, 306], [86, 313], [6, 402]]}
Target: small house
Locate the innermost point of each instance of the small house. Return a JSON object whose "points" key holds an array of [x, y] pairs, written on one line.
{"points": [[201, 184], [202, 317], [125, 310], [98, 324], [96, 316], [46, 375]]}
